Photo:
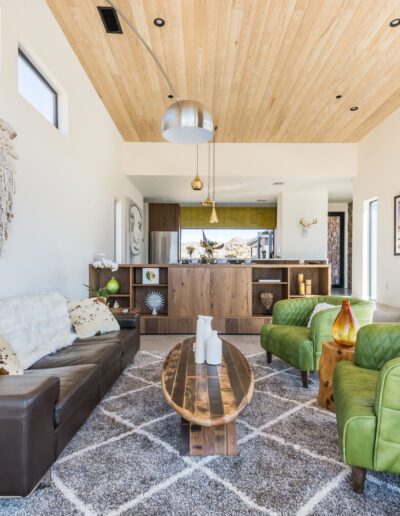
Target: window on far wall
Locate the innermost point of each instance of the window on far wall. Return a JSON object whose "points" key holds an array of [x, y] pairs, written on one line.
{"points": [[36, 89], [238, 243]]}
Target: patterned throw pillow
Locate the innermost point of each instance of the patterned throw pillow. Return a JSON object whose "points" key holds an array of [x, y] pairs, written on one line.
{"points": [[9, 363], [90, 317]]}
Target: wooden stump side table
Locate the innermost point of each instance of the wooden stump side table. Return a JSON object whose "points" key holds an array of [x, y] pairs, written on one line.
{"points": [[332, 353]]}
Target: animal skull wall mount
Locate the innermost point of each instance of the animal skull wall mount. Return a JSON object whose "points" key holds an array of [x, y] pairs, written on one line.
{"points": [[305, 225]]}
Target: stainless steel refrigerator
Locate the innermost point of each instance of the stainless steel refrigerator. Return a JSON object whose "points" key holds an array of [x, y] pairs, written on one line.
{"points": [[164, 247]]}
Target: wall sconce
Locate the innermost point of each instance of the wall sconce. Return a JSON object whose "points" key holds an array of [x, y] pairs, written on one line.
{"points": [[305, 225]]}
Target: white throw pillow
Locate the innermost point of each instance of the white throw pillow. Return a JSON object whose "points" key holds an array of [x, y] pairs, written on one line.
{"points": [[35, 325], [9, 363], [91, 316], [319, 308]]}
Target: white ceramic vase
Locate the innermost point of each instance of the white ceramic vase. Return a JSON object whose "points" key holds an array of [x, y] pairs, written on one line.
{"points": [[214, 349], [200, 350], [207, 326]]}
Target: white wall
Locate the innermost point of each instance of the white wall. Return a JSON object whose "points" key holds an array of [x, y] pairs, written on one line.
{"points": [[378, 177], [292, 243], [67, 180]]}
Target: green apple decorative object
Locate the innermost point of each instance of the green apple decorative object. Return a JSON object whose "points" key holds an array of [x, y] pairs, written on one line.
{"points": [[113, 286]]}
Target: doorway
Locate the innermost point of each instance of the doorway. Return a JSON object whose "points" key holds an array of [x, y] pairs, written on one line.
{"points": [[336, 247], [372, 249]]}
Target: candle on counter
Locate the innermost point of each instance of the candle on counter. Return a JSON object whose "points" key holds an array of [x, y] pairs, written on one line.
{"points": [[302, 289]]}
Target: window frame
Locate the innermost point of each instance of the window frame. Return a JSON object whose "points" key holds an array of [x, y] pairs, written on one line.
{"points": [[36, 71]]}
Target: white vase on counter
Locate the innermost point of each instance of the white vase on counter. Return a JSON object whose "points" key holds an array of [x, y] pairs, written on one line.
{"points": [[200, 350], [214, 349], [207, 326]]}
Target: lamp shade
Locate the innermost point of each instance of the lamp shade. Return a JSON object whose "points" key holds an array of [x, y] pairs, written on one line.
{"points": [[187, 121]]}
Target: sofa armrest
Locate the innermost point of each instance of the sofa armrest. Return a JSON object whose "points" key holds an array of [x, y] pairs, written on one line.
{"points": [[26, 431], [387, 410], [321, 328], [293, 312], [128, 321]]}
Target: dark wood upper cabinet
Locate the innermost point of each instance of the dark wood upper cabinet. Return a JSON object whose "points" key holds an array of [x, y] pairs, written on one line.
{"points": [[163, 217]]}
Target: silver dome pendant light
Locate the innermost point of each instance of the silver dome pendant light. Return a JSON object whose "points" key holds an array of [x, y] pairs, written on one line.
{"points": [[185, 121]]}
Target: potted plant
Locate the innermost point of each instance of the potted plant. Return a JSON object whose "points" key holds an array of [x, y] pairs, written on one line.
{"points": [[111, 287]]}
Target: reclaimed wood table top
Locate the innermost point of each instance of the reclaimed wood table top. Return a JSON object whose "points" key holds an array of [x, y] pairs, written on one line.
{"points": [[207, 395]]}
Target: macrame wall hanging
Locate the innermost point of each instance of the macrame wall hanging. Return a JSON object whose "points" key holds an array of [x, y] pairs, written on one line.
{"points": [[7, 178]]}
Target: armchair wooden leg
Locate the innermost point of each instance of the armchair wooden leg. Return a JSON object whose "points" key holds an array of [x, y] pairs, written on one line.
{"points": [[304, 379], [358, 479], [269, 357]]}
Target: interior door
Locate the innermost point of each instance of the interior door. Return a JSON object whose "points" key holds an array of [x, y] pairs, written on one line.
{"points": [[189, 291], [336, 242], [231, 291]]}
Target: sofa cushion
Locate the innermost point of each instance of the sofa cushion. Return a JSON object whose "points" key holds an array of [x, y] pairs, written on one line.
{"points": [[290, 343], [104, 354], [354, 395], [75, 384], [91, 316], [9, 362], [35, 325], [123, 337]]}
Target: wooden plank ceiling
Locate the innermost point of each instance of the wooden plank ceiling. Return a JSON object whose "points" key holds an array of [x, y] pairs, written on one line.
{"points": [[269, 70]]}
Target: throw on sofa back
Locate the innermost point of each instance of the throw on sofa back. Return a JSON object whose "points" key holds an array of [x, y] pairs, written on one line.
{"points": [[36, 325]]}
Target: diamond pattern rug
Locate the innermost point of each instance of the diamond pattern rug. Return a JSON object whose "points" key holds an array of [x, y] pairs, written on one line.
{"points": [[125, 459]]}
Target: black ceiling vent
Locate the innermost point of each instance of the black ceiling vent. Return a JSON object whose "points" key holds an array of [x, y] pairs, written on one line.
{"points": [[110, 20]]}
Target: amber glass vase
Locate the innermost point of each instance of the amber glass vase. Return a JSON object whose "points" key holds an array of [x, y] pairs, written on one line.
{"points": [[345, 327]]}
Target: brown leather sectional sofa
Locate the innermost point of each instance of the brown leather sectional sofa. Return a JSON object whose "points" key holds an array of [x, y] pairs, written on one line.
{"points": [[43, 409]]}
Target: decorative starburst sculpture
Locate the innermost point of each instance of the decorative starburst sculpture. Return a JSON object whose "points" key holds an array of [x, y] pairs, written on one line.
{"points": [[155, 301]]}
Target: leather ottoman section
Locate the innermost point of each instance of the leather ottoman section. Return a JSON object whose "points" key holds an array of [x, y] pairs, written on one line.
{"points": [[68, 428], [129, 355], [104, 354], [109, 377], [75, 384]]}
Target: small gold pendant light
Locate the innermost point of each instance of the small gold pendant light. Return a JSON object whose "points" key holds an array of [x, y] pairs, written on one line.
{"points": [[197, 183], [209, 201], [214, 216]]}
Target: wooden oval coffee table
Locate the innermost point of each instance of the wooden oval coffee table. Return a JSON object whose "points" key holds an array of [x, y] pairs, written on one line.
{"points": [[209, 398]]}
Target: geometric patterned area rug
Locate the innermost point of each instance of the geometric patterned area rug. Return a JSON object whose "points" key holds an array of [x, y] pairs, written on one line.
{"points": [[125, 459]]}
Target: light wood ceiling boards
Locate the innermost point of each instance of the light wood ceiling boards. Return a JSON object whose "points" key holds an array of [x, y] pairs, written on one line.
{"points": [[269, 70]]}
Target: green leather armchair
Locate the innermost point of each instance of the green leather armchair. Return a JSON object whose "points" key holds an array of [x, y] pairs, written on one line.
{"points": [[367, 400], [289, 338]]}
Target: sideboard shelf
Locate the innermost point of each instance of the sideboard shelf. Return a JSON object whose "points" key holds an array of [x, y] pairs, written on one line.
{"points": [[229, 293]]}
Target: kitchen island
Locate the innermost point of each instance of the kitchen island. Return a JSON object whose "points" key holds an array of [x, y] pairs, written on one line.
{"points": [[230, 293]]}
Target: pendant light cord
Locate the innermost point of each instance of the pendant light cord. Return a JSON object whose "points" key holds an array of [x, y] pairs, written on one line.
{"points": [[132, 27], [197, 159], [214, 167], [209, 169]]}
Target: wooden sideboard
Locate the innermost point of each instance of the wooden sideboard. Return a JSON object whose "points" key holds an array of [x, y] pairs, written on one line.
{"points": [[230, 293]]}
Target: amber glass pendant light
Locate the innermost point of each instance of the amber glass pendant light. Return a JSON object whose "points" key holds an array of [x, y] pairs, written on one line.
{"points": [[197, 183], [345, 327]]}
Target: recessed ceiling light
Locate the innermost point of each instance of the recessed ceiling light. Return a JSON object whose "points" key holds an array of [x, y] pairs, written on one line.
{"points": [[338, 96], [353, 108], [159, 22], [278, 183], [395, 22]]}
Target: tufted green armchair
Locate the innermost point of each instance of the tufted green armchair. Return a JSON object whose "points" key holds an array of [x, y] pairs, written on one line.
{"points": [[367, 400], [289, 338]]}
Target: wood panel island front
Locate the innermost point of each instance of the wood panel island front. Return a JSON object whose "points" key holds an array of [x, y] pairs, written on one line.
{"points": [[230, 293]]}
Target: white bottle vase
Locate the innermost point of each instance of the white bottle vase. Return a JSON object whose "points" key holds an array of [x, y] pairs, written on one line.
{"points": [[214, 349], [200, 351], [207, 326]]}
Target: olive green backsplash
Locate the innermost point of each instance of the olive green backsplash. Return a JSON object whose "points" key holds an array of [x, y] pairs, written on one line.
{"points": [[239, 217]]}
